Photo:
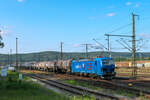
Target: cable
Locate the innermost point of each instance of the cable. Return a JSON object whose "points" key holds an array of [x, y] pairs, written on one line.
{"points": [[120, 28]]}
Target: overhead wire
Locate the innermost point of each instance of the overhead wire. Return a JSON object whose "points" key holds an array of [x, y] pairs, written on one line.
{"points": [[120, 28]]}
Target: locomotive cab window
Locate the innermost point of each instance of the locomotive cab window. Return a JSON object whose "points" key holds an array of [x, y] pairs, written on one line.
{"points": [[107, 62]]}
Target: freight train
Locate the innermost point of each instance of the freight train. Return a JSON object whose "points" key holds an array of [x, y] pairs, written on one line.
{"points": [[101, 67]]}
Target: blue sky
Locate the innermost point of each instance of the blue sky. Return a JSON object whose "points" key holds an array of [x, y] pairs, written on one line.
{"points": [[41, 25]]}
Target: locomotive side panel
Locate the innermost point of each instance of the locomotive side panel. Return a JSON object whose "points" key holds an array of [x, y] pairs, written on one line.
{"points": [[102, 67], [84, 67]]}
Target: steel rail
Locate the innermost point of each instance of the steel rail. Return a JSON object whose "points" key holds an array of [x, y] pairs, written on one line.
{"points": [[74, 89], [115, 85]]}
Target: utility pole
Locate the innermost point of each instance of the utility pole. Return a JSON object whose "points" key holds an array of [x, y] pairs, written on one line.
{"points": [[86, 49], [108, 44], [133, 49], [20, 75], [20, 61], [61, 51], [39, 56], [8, 62], [134, 71], [10, 57], [17, 53], [86, 45]]}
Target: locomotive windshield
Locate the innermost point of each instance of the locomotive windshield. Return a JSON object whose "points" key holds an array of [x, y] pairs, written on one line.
{"points": [[107, 62]]}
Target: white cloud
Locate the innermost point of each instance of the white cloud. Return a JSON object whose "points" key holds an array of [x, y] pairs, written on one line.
{"points": [[20, 0], [137, 5], [76, 45], [128, 3], [110, 14], [144, 35], [4, 30], [96, 44]]}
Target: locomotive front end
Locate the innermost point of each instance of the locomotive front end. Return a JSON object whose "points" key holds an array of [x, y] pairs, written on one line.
{"points": [[108, 68]]}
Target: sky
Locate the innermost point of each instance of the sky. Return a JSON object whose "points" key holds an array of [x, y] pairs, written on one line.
{"points": [[40, 25]]}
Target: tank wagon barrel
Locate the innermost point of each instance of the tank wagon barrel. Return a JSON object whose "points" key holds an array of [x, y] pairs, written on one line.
{"points": [[101, 67]]}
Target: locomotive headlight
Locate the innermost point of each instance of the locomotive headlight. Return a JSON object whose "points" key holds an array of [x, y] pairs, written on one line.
{"points": [[114, 73]]}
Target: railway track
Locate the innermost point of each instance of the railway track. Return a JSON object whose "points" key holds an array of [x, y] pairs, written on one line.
{"points": [[142, 85], [75, 89], [115, 86]]}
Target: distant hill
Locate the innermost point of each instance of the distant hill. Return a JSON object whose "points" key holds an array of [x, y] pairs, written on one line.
{"points": [[53, 55]]}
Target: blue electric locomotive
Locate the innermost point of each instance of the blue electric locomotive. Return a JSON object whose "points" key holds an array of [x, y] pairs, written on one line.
{"points": [[102, 67]]}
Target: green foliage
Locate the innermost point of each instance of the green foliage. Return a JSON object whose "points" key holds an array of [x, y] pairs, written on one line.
{"points": [[29, 90], [53, 55], [86, 84], [25, 91]]}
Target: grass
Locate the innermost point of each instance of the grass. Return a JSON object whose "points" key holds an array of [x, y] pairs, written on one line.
{"points": [[118, 91], [28, 90], [11, 89], [85, 84], [124, 93]]}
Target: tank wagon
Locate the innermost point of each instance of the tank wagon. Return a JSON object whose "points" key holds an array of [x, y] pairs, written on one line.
{"points": [[102, 67], [44, 66], [62, 66], [27, 65]]}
